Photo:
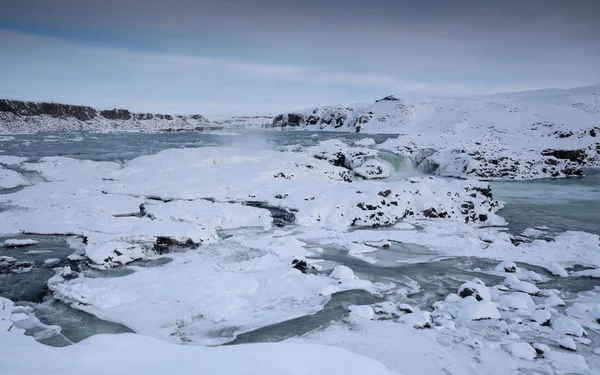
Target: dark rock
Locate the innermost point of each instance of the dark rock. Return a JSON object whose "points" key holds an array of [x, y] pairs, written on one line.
{"points": [[385, 193], [465, 292], [572, 155], [430, 213], [387, 98]]}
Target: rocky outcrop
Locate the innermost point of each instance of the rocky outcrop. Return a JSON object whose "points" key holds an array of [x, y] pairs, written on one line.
{"points": [[26, 117]]}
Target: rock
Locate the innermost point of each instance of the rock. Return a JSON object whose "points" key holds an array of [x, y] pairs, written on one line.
{"points": [[385, 193], [405, 308], [301, 265]]}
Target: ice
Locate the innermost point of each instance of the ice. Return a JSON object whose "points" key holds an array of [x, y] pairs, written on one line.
{"points": [[59, 168], [10, 179], [374, 169], [365, 142], [20, 242], [568, 326], [596, 351], [522, 350], [11, 160]]}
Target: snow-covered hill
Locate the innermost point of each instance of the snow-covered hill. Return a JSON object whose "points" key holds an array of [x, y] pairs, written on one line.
{"points": [[30, 117], [543, 133]]}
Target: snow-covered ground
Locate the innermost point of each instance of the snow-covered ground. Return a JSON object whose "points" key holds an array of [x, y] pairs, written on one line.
{"points": [[221, 242]]}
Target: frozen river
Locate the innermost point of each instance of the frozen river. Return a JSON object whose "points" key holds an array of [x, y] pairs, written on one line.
{"points": [[419, 274]]}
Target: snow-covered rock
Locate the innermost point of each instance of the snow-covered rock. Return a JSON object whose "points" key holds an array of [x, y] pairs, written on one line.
{"points": [[418, 319], [343, 273], [521, 350], [507, 266], [363, 311], [372, 168], [542, 317], [522, 286], [472, 288], [567, 343], [568, 326]]}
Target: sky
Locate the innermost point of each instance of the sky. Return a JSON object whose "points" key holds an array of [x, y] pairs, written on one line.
{"points": [[233, 57]]}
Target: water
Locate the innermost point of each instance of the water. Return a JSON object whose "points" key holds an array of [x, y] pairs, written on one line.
{"points": [[561, 205], [569, 204], [126, 146]]}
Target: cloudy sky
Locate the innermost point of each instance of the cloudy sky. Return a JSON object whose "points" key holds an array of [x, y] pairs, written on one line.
{"points": [[221, 57]]}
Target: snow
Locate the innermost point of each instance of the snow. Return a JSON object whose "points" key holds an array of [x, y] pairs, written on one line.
{"points": [[130, 354], [507, 266], [569, 361], [20, 242], [522, 350], [554, 301], [477, 290]]}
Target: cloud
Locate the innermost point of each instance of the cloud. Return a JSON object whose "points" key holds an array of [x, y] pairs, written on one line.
{"points": [[234, 56]]}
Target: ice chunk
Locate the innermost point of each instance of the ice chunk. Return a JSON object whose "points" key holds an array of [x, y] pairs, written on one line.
{"points": [[517, 300], [20, 242], [554, 301]]}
